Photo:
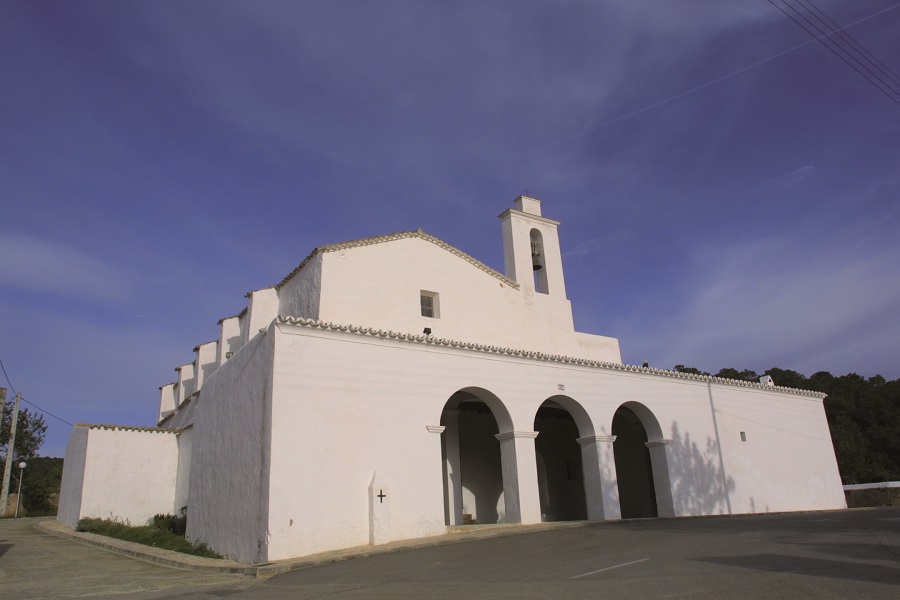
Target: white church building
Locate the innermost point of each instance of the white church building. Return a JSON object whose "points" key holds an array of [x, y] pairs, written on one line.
{"points": [[391, 386]]}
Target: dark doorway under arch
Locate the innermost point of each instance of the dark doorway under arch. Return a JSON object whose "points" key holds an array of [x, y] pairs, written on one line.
{"points": [[560, 471], [637, 495]]}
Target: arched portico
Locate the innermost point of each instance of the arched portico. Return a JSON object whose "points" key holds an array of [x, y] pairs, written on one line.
{"points": [[576, 474], [485, 462], [642, 463]]}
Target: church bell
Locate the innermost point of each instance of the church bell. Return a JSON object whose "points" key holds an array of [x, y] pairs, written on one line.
{"points": [[535, 257]]}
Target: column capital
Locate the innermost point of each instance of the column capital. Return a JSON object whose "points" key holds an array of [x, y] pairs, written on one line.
{"points": [[516, 434], [654, 443], [596, 439], [438, 429]]}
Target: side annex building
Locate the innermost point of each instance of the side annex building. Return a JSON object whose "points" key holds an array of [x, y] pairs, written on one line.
{"points": [[391, 386]]}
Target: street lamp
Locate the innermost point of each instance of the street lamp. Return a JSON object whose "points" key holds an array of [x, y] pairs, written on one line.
{"points": [[22, 466]]}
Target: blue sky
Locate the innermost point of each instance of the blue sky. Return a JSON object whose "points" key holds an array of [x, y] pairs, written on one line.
{"points": [[728, 188]]}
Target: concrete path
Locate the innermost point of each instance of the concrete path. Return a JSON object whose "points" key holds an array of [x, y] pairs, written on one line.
{"points": [[35, 565]]}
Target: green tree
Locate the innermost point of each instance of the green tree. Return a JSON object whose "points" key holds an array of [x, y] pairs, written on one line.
{"points": [[40, 488], [29, 433], [684, 369], [788, 378], [745, 375]]}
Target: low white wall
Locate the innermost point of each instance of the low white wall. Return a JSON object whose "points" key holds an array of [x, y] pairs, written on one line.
{"points": [[129, 474], [872, 486]]}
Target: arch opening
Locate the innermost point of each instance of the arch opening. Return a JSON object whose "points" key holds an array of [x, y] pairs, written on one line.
{"points": [[634, 468], [471, 458], [561, 480]]}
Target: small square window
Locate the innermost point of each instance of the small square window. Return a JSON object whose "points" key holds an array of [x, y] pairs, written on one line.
{"points": [[428, 302], [743, 436]]}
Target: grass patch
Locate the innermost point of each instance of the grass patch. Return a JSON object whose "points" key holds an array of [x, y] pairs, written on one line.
{"points": [[157, 535]]}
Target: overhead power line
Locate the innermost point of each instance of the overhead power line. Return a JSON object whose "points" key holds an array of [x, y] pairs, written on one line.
{"points": [[829, 34], [5, 374], [43, 410], [845, 35]]}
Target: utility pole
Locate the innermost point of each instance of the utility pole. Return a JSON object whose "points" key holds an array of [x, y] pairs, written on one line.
{"points": [[14, 420]]}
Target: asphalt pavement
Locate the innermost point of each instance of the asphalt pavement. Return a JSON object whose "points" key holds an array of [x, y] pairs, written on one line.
{"points": [[835, 554]]}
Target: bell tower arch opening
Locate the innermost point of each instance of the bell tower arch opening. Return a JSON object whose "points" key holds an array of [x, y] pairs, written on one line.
{"points": [[537, 262]]}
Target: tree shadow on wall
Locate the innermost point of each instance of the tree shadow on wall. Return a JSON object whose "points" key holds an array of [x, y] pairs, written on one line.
{"points": [[698, 483]]}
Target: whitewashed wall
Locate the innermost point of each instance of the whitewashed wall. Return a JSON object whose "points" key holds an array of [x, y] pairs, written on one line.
{"points": [[346, 406], [72, 485], [229, 471], [182, 479], [788, 448], [474, 305], [300, 295]]}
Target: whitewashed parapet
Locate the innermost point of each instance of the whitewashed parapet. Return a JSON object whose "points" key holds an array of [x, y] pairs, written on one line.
{"points": [[262, 308], [530, 354], [186, 383], [204, 362], [229, 336], [167, 403]]}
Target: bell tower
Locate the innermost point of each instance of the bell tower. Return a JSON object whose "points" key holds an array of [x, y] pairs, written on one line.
{"points": [[531, 249]]}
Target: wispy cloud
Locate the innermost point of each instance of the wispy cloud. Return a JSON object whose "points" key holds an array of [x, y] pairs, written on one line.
{"points": [[780, 298], [793, 178], [587, 247], [33, 264]]}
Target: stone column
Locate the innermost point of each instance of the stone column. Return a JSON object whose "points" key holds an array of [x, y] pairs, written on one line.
{"points": [[660, 454], [601, 488], [452, 486], [520, 484]]}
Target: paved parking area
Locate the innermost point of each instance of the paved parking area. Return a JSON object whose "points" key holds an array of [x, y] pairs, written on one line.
{"points": [[844, 554], [848, 554]]}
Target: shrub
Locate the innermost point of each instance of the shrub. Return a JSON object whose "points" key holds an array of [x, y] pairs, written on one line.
{"points": [[171, 523], [156, 535]]}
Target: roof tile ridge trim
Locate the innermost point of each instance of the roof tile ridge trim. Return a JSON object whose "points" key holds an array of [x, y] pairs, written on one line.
{"points": [[529, 354], [129, 428]]}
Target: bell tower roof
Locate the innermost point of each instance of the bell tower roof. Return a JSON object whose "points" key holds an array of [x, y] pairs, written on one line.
{"points": [[525, 204]]}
